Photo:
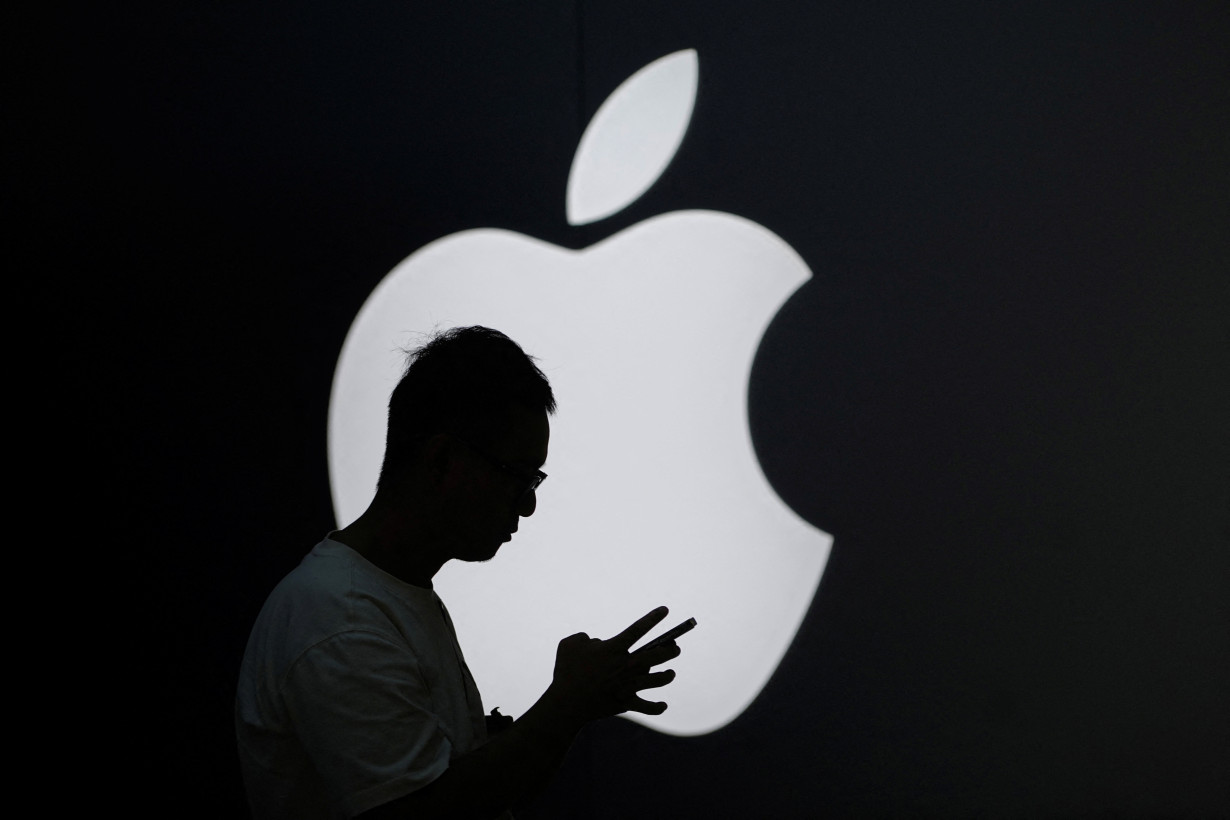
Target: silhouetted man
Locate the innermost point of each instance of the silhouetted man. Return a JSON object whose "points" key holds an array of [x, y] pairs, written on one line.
{"points": [[354, 697]]}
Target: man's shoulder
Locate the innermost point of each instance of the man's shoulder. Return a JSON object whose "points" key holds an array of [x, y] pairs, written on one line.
{"points": [[333, 592], [322, 584], [328, 569]]}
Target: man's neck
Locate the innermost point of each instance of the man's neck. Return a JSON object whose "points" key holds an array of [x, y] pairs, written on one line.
{"points": [[391, 544]]}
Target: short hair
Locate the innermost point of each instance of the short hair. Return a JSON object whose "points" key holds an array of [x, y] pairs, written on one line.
{"points": [[462, 381]]}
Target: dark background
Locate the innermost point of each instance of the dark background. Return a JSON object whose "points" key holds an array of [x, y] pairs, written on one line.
{"points": [[1005, 391]]}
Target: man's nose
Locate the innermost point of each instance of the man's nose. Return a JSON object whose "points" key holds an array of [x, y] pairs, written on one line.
{"points": [[527, 504]]}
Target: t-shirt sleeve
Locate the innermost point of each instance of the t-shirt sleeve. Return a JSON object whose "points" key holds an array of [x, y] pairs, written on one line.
{"points": [[362, 707]]}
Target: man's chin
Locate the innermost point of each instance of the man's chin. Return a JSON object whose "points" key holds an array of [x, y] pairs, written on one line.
{"points": [[481, 554]]}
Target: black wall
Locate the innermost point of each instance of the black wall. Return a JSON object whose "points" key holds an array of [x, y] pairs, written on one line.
{"points": [[1005, 391]]}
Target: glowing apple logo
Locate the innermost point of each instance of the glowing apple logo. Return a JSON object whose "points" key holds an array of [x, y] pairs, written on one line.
{"points": [[655, 495]]}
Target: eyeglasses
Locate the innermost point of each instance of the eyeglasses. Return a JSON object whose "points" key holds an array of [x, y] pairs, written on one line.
{"points": [[532, 481]]}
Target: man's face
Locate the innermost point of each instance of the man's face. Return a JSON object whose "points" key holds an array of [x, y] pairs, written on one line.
{"points": [[495, 494]]}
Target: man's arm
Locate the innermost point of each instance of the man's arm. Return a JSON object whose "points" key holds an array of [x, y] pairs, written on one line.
{"points": [[593, 679]]}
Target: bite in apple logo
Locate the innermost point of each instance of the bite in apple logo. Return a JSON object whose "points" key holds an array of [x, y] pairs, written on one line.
{"points": [[655, 495]]}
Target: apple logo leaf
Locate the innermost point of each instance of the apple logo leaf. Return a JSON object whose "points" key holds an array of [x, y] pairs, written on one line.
{"points": [[632, 138]]}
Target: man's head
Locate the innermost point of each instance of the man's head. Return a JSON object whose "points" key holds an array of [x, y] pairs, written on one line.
{"points": [[472, 400]]}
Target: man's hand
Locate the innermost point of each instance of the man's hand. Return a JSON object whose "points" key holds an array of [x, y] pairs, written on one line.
{"points": [[595, 678]]}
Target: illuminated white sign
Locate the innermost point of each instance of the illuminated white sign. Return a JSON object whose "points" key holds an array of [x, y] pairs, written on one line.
{"points": [[656, 496]]}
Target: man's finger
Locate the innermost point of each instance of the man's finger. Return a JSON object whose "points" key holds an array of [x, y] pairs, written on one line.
{"points": [[646, 707], [637, 631], [646, 658], [652, 680]]}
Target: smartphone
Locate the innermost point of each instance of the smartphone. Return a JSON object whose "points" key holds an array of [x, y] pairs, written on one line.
{"points": [[670, 634]]}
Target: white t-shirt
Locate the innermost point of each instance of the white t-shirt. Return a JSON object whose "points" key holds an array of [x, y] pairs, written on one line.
{"points": [[353, 691]]}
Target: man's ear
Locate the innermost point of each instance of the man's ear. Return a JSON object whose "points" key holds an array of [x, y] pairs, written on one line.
{"points": [[440, 458]]}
